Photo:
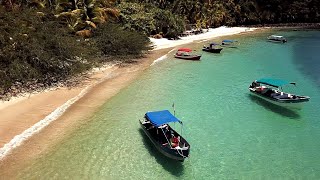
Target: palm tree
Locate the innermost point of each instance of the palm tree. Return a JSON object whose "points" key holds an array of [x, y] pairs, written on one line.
{"points": [[86, 13]]}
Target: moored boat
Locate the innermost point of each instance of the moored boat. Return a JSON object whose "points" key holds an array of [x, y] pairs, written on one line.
{"points": [[213, 48], [185, 53], [276, 38], [229, 43], [271, 91], [164, 138]]}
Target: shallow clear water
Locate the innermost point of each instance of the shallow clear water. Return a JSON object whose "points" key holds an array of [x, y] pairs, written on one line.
{"points": [[232, 134]]}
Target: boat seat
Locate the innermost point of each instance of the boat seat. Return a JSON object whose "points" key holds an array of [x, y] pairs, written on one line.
{"points": [[182, 148]]}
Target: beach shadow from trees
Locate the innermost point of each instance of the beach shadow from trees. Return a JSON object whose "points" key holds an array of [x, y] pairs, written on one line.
{"points": [[275, 108], [175, 167]]}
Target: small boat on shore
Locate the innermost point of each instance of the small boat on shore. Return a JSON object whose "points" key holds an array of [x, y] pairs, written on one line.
{"points": [[276, 38], [185, 53], [213, 48], [164, 138], [271, 91], [229, 43]]}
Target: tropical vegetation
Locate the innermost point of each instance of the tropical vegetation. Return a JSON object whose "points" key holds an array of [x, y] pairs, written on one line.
{"points": [[46, 42], [213, 13]]}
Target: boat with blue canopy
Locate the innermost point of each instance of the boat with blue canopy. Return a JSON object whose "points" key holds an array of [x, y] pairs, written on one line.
{"points": [[271, 90], [229, 43], [213, 48], [170, 143]]}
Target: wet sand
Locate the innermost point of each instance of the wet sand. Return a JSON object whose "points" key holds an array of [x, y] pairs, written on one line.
{"points": [[17, 117]]}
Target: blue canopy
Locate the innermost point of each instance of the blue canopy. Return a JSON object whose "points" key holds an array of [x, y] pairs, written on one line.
{"points": [[274, 82], [158, 118], [230, 41]]}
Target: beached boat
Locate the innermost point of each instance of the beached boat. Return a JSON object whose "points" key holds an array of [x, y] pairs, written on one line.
{"points": [[185, 53], [213, 48], [164, 138], [276, 38], [229, 43], [271, 91]]}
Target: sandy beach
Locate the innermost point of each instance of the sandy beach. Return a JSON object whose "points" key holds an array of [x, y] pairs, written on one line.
{"points": [[30, 125]]}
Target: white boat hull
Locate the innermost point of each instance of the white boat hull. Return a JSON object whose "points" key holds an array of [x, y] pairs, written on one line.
{"points": [[296, 105]]}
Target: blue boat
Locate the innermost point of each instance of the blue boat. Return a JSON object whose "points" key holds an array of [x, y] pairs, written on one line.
{"points": [[164, 138], [213, 48], [229, 43], [271, 90]]}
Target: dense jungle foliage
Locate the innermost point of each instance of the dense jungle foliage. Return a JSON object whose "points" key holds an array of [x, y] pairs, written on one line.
{"points": [[45, 42], [213, 13]]}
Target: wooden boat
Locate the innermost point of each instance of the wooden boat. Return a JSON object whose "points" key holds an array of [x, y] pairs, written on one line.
{"points": [[185, 53], [271, 91], [213, 48], [187, 56], [164, 138], [276, 38], [229, 43]]}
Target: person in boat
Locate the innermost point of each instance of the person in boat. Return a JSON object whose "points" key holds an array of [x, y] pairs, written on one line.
{"points": [[175, 141], [151, 127], [167, 132], [275, 94], [167, 135], [267, 92], [254, 84], [260, 89]]}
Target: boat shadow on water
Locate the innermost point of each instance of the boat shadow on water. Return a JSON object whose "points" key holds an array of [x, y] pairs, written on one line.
{"points": [[275, 108], [175, 167]]}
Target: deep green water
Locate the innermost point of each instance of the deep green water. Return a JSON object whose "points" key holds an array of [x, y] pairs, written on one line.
{"points": [[232, 135]]}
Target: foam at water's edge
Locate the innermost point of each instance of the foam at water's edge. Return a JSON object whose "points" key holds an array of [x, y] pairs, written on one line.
{"points": [[203, 41], [19, 139], [161, 58]]}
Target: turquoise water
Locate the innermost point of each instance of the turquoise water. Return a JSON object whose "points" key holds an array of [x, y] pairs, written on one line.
{"points": [[232, 134]]}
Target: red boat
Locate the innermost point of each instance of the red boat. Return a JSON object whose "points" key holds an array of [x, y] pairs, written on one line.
{"points": [[184, 53]]}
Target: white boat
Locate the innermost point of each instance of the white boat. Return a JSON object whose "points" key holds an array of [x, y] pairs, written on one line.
{"points": [[271, 90], [276, 38]]}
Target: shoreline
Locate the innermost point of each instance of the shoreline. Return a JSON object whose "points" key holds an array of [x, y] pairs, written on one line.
{"points": [[210, 34], [81, 109], [73, 116], [315, 26]]}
